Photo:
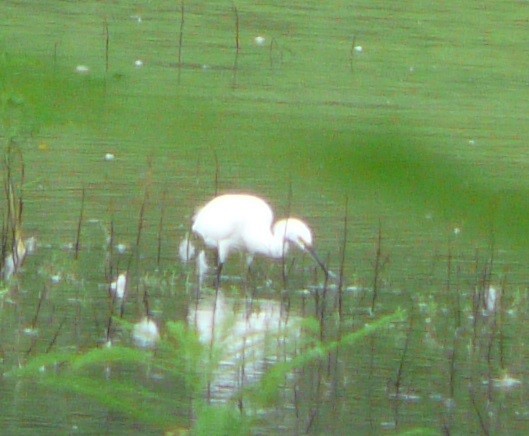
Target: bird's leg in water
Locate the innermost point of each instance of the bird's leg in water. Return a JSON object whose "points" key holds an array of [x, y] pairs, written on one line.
{"points": [[217, 288], [217, 283], [250, 287], [213, 322]]}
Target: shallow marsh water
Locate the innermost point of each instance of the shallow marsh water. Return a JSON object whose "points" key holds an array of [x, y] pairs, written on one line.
{"points": [[423, 130]]}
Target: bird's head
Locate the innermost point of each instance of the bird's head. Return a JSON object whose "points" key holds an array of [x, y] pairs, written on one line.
{"points": [[295, 231]]}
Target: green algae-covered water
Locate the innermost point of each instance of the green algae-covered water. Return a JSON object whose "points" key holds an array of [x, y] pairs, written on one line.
{"points": [[396, 130]]}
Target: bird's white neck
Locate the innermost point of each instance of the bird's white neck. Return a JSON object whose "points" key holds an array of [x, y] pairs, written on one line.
{"points": [[279, 245]]}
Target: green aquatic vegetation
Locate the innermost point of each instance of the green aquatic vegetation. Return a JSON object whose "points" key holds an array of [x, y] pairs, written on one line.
{"points": [[179, 361], [423, 431], [427, 120], [119, 377], [270, 386], [223, 420]]}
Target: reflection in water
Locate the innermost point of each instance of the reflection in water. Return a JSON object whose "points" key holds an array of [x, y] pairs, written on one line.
{"points": [[145, 333], [247, 337]]}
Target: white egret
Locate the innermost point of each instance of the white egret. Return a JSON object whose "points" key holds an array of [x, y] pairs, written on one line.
{"points": [[243, 222]]}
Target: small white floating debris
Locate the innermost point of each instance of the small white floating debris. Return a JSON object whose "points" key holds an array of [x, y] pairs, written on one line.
{"points": [[524, 414], [138, 63], [74, 300], [136, 18], [457, 230], [358, 49], [388, 425], [56, 278], [471, 142], [31, 331], [145, 333], [506, 382], [491, 300], [186, 249], [82, 69], [436, 397], [121, 248], [69, 246], [9, 267], [410, 398], [31, 245], [450, 404], [117, 287], [259, 40], [110, 157], [354, 289]]}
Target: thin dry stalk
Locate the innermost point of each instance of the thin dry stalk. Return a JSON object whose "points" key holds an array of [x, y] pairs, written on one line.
{"points": [[12, 242], [181, 39], [110, 253], [79, 226], [380, 263], [452, 366], [352, 54], [342, 265], [217, 172], [42, 296], [237, 45], [284, 272], [400, 370], [160, 229], [449, 268], [482, 422], [499, 314], [55, 336], [107, 44], [109, 323], [273, 43], [323, 306], [141, 219]]}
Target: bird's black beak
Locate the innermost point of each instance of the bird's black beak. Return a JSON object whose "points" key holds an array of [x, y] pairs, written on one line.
{"points": [[328, 274]]}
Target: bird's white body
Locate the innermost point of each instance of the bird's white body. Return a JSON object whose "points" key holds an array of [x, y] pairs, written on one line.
{"points": [[243, 222]]}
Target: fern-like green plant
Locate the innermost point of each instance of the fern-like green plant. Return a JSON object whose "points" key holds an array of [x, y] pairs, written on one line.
{"points": [[267, 391], [182, 366]]}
